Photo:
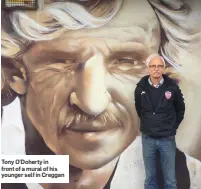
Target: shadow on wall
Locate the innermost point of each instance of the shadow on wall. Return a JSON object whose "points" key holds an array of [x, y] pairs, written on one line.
{"points": [[183, 180]]}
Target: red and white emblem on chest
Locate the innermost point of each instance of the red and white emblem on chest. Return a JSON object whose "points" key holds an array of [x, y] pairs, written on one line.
{"points": [[168, 94]]}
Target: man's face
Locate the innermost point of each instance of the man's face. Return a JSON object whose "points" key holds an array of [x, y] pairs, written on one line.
{"points": [[81, 87], [156, 67]]}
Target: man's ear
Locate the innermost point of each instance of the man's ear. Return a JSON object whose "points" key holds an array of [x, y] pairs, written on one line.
{"points": [[18, 85]]}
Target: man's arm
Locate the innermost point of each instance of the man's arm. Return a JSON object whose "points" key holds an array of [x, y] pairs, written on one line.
{"points": [[138, 100], [179, 106]]}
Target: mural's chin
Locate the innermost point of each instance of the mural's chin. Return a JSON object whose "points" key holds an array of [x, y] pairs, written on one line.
{"points": [[87, 162], [92, 150]]}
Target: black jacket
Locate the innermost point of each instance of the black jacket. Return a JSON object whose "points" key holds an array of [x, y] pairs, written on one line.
{"points": [[169, 112]]}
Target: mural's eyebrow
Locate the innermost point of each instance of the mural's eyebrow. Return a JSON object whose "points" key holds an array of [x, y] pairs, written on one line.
{"points": [[129, 48], [35, 56]]}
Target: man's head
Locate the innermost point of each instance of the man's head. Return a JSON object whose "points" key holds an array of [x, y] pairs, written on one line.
{"points": [[79, 85], [156, 65]]}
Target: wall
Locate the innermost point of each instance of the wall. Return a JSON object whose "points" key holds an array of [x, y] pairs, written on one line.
{"points": [[69, 71]]}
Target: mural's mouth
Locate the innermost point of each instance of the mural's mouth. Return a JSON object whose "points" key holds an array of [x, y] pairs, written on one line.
{"points": [[90, 127], [90, 132], [91, 141]]}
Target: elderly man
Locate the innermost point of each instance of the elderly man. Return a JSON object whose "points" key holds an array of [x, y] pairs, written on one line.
{"points": [[160, 106], [74, 67]]}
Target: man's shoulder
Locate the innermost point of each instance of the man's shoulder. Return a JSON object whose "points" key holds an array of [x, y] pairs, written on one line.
{"points": [[143, 80], [171, 81]]}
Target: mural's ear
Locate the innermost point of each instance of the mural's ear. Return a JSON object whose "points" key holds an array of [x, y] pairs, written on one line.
{"points": [[18, 85], [13, 81]]}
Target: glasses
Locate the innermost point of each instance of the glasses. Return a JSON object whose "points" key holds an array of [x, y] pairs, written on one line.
{"points": [[156, 66]]}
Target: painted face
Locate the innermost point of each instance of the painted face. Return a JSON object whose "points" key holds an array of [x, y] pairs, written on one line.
{"points": [[81, 86], [156, 67]]}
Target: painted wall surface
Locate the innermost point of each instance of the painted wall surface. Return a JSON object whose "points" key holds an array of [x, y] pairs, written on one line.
{"points": [[72, 68]]}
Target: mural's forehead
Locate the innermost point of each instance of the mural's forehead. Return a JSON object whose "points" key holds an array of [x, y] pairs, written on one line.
{"points": [[121, 34]]}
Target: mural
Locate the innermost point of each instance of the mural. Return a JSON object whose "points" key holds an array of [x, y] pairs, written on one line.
{"points": [[69, 72]]}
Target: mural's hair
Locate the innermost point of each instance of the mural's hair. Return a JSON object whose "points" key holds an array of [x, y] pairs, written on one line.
{"points": [[18, 28]]}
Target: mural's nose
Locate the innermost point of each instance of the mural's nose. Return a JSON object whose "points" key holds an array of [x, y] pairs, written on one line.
{"points": [[91, 94]]}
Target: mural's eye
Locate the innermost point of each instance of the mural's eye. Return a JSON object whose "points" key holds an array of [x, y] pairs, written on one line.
{"points": [[60, 62], [126, 60], [125, 63], [64, 61], [70, 61], [57, 65]]}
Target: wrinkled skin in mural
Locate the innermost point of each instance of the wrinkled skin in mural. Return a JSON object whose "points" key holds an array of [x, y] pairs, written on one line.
{"points": [[75, 75]]}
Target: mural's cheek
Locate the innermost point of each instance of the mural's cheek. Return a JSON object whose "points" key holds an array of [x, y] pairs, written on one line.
{"points": [[47, 92], [121, 88]]}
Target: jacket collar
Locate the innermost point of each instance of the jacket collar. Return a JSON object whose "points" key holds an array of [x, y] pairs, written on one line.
{"points": [[143, 82], [158, 85]]}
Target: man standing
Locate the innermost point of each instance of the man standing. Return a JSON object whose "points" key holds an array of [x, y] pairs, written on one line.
{"points": [[160, 106]]}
